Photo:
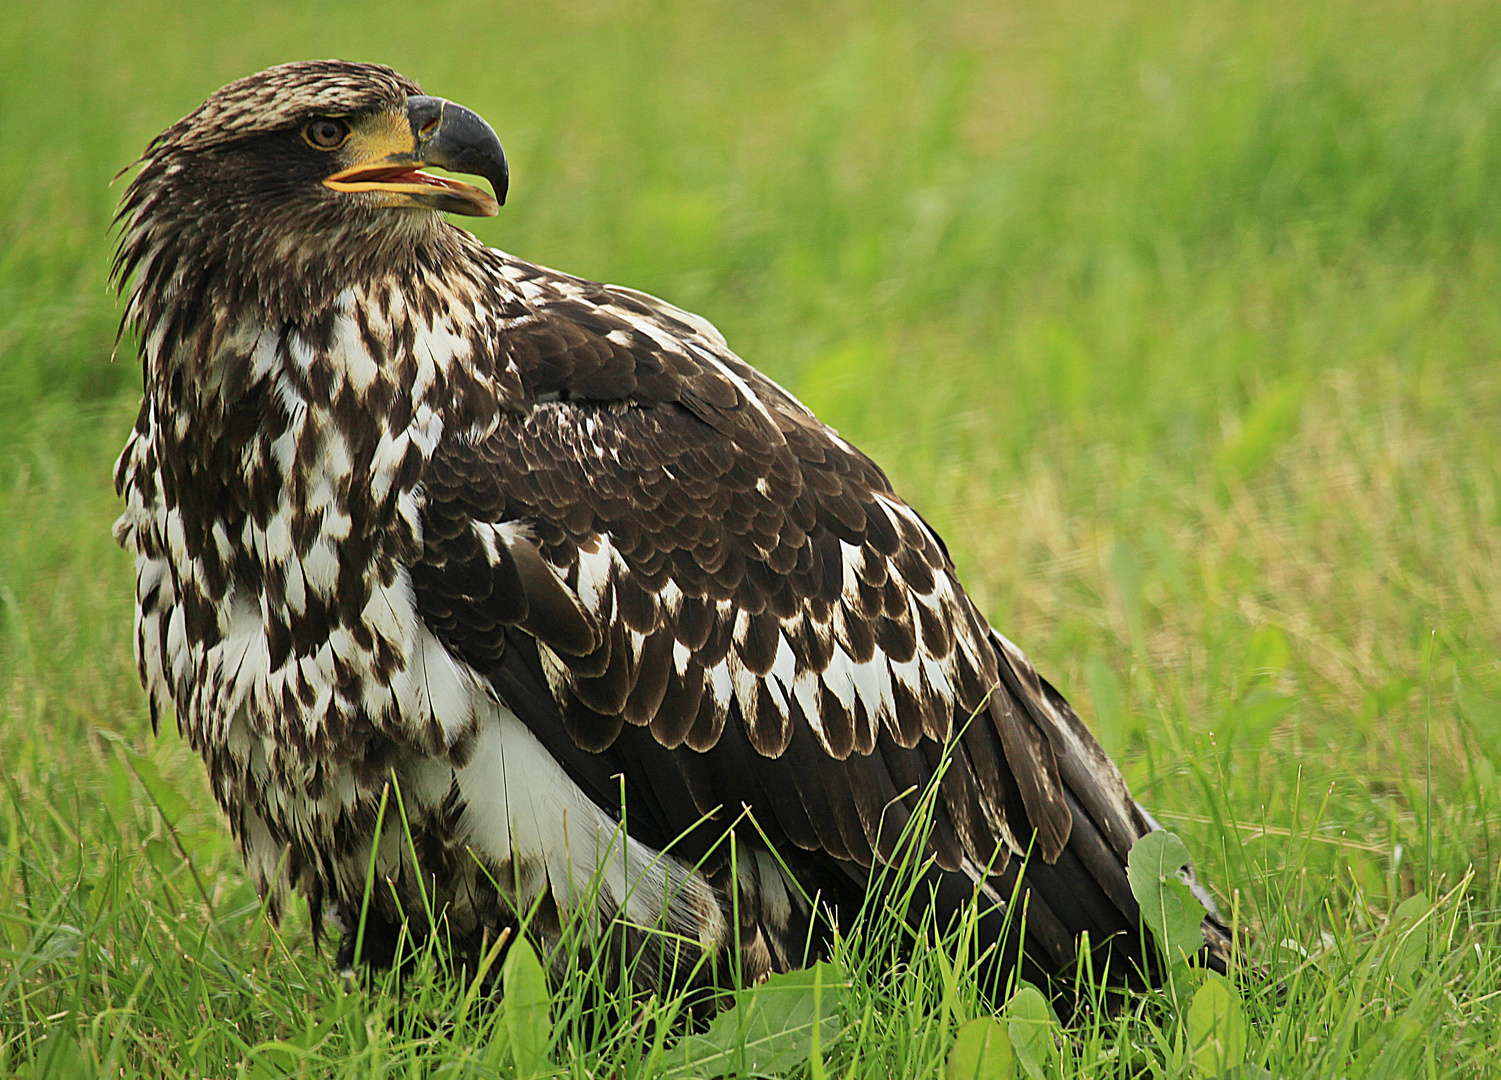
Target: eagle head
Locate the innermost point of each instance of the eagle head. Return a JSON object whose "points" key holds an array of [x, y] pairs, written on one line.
{"points": [[286, 186]]}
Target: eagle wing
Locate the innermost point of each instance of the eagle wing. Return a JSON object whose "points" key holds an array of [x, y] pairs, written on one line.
{"points": [[671, 570]]}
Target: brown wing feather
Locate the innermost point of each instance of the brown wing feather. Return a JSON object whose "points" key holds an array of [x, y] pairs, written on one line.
{"points": [[696, 549]]}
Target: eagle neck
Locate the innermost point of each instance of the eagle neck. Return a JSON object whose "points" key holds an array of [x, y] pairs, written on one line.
{"points": [[332, 415]]}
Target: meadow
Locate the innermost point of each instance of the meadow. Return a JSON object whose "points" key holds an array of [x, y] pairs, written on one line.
{"points": [[1179, 321]]}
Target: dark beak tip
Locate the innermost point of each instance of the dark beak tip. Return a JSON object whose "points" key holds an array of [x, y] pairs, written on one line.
{"points": [[462, 142]]}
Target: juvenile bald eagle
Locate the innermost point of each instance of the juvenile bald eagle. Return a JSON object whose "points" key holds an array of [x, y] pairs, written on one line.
{"points": [[429, 539]]}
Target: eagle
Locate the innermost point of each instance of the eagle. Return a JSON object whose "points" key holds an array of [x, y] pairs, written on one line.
{"points": [[494, 597]]}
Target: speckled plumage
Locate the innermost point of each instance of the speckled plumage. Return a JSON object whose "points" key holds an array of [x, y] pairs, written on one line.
{"points": [[539, 549]]}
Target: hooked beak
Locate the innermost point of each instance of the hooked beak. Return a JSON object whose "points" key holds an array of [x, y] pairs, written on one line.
{"points": [[390, 152]]}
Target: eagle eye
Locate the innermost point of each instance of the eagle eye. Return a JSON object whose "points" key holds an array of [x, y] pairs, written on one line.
{"points": [[325, 133]]}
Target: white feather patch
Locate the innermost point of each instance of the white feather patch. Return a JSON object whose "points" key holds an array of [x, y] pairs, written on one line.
{"points": [[522, 811]]}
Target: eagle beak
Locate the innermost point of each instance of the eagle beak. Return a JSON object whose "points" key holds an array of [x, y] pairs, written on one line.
{"points": [[389, 155]]}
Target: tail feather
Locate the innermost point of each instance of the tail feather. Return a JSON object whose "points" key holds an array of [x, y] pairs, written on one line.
{"points": [[1084, 888]]}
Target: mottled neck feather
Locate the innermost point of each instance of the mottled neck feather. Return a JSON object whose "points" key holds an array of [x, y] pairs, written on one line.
{"points": [[206, 253]]}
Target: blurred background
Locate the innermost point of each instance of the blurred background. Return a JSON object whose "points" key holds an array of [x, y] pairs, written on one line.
{"points": [[1179, 320]]}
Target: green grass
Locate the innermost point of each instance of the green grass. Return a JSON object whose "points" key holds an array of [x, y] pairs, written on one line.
{"points": [[1179, 320]]}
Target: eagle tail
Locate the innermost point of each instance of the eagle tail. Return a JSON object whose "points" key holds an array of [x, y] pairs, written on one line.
{"points": [[1063, 915], [1076, 920]]}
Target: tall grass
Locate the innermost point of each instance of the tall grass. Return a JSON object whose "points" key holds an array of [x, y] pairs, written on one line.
{"points": [[1177, 319]]}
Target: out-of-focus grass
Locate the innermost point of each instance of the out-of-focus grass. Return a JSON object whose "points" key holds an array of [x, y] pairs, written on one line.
{"points": [[1178, 320]]}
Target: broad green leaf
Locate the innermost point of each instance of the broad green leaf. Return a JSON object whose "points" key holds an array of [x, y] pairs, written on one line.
{"points": [[163, 856], [1217, 1027], [59, 1057], [173, 806], [770, 1028], [499, 1045], [1168, 907], [528, 1008], [117, 794], [1402, 947], [982, 1051], [1031, 1024], [1412, 909]]}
